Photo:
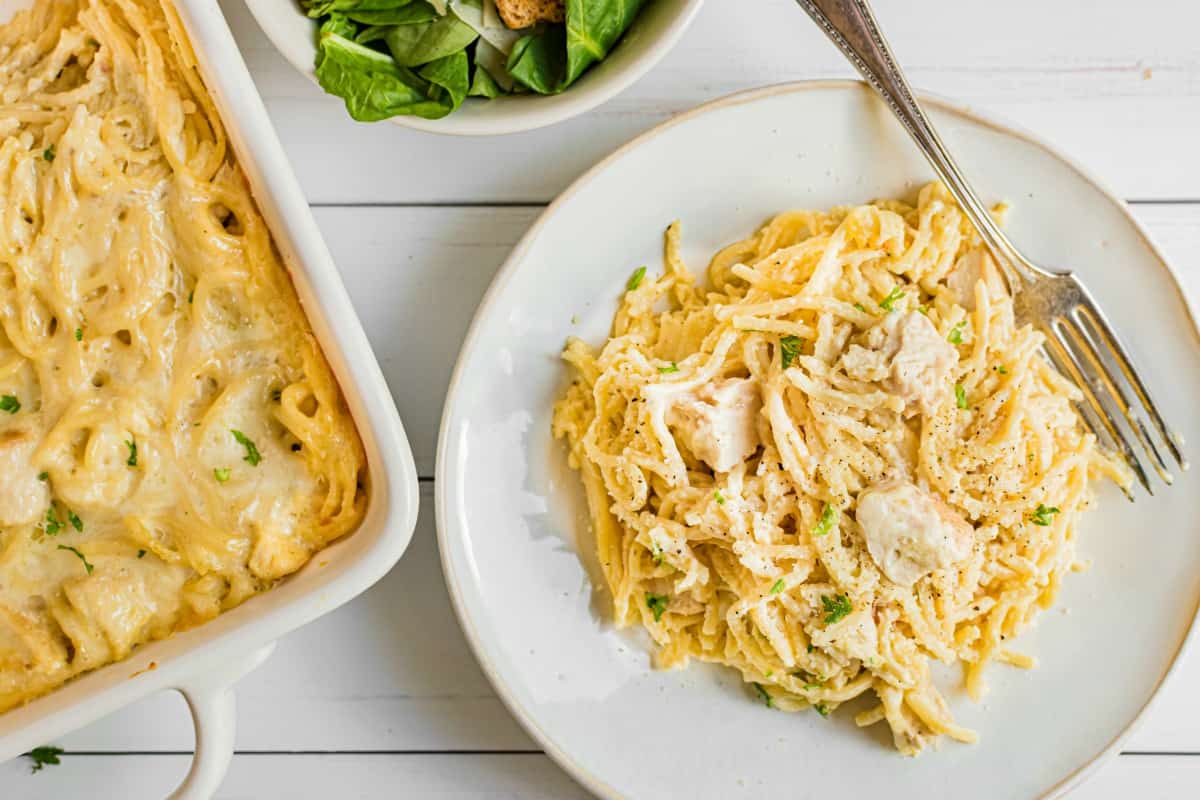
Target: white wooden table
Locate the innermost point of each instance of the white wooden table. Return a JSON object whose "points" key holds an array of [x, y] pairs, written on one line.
{"points": [[382, 698]]}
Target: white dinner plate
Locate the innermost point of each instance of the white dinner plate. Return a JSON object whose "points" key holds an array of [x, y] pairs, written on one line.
{"points": [[512, 521]]}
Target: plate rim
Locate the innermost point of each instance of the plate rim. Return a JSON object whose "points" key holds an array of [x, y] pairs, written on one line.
{"points": [[508, 270]]}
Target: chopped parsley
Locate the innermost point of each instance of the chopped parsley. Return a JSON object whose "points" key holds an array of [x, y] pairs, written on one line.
{"points": [[889, 303], [960, 396], [955, 336], [43, 476], [822, 709], [86, 564], [923, 309], [808, 687], [764, 695], [667, 370], [131, 443], [252, 456], [1003, 370], [836, 607], [778, 587], [1044, 514], [789, 348], [656, 603], [221, 474], [657, 552], [635, 280], [860, 307], [10, 404], [53, 523], [141, 553], [829, 518], [46, 754], [49, 153], [79, 334]]}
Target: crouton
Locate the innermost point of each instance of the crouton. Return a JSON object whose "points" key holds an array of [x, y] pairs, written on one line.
{"points": [[518, 14]]}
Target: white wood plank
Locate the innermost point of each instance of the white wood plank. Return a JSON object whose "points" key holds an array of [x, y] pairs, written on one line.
{"points": [[416, 276], [1116, 90], [391, 670], [463, 777], [301, 777]]}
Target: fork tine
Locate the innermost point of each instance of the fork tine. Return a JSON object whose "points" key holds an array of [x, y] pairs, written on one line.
{"points": [[1067, 364], [1086, 344], [1095, 319], [1093, 423], [1096, 427]]}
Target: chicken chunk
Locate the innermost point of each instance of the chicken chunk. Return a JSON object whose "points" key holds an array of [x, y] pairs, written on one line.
{"points": [[865, 364], [718, 422], [910, 533], [278, 549], [119, 605], [23, 498], [517, 14], [969, 270], [919, 360], [855, 636]]}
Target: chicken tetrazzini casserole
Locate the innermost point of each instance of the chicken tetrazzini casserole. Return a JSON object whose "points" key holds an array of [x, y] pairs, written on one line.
{"points": [[172, 440], [838, 462]]}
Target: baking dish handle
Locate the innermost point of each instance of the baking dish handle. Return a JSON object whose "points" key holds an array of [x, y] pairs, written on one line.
{"points": [[214, 717]]}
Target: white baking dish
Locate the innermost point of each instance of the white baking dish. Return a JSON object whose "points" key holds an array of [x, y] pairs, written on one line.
{"points": [[204, 663]]}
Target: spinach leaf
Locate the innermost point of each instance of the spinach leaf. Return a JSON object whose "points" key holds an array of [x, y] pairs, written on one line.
{"points": [[415, 11], [414, 45], [380, 23], [450, 75], [551, 60], [371, 33], [319, 8], [592, 30], [371, 84], [338, 24], [483, 84], [538, 60]]}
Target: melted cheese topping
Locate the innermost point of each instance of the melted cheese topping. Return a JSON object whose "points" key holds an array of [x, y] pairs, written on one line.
{"points": [[896, 480], [172, 440]]}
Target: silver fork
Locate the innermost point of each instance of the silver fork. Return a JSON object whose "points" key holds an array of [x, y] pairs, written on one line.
{"points": [[1079, 340]]}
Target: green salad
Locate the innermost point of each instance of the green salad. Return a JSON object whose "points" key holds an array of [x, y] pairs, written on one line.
{"points": [[423, 58]]}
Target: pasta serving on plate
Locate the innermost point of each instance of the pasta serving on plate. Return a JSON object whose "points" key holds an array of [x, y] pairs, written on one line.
{"points": [[840, 461], [172, 439]]}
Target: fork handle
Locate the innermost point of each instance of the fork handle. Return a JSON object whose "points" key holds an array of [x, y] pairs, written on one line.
{"points": [[852, 27]]}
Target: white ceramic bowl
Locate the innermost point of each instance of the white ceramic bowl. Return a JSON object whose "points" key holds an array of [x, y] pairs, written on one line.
{"points": [[654, 32], [512, 522], [203, 663]]}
